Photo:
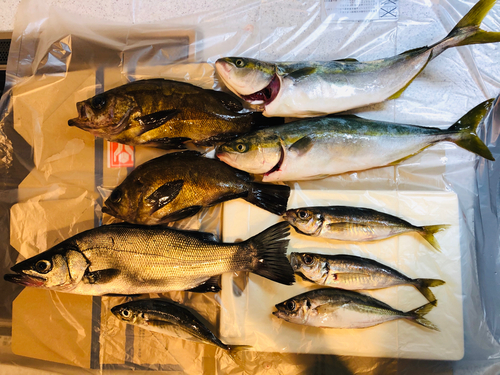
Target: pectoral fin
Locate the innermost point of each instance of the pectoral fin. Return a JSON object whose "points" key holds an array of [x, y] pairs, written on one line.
{"points": [[301, 73], [102, 276], [153, 120], [165, 194], [302, 145]]}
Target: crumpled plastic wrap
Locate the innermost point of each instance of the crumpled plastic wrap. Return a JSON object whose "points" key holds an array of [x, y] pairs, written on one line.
{"points": [[54, 179]]}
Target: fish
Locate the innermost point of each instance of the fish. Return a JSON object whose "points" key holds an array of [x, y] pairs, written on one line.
{"points": [[170, 318], [347, 223], [178, 185], [355, 273], [126, 259], [339, 308], [306, 89], [165, 114], [319, 147]]}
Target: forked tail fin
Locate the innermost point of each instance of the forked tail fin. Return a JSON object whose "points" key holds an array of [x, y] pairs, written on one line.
{"points": [[428, 232], [463, 132], [423, 286], [467, 30], [417, 315]]}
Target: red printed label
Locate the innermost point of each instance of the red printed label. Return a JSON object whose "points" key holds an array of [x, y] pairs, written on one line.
{"points": [[120, 155]]}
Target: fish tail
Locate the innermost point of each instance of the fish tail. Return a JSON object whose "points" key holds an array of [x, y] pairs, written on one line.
{"points": [[270, 197], [423, 286], [270, 261], [428, 233], [417, 315], [467, 30], [463, 132], [233, 350]]}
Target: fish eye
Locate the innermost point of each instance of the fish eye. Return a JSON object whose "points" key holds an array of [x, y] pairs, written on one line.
{"points": [[116, 196], [98, 102], [43, 266], [126, 313], [239, 63], [307, 258], [240, 147], [290, 305], [302, 214]]}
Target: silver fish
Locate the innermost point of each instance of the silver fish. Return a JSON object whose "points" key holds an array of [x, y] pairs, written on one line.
{"points": [[338, 308], [305, 89], [170, 318], [318, 147], [355, 273], [129, 259], [346, 223]]}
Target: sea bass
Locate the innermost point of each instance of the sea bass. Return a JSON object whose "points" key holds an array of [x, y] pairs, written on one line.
{"points": [[130, 259], [339, 308], [355, 273], [170, 318], [304, 89], [319, 147], [346, 223], [165, 114], [178, 185]]}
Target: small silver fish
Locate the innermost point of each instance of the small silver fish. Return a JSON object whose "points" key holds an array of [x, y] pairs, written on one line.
{"points": [[338, 308], [304, 89], [346, 223], [129, 259], [170, 318], [355, 273]]}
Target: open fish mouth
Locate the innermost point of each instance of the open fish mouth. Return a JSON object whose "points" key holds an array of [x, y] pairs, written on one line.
{"points": [[267, 94], [82, 118], [25, 280]]}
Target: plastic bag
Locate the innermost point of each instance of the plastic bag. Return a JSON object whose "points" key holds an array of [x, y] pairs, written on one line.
{"points": [[55, 177]]}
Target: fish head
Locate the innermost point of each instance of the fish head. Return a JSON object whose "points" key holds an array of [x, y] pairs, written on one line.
{"points": [[312, 266], [305, 220], [121, 203], [254, 81], [132, 312], [60, 268], [259, 152], [105, 115], [294, 310]]}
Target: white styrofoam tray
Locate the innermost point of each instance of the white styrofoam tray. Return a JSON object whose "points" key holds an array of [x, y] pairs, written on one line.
{"points": [[246, 316]]}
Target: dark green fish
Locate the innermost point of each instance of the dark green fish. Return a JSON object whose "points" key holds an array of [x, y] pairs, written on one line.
{"points": [[128, 259], [178, 185], [310, 88], [170, 318], [339, 308], [355, 273], [165, 114]]}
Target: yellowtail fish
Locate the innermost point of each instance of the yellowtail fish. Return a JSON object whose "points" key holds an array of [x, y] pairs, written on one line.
{"points": [[319, 147], [339, 308], [305, 89], [355, 273], [346, 223], [127, 259]]}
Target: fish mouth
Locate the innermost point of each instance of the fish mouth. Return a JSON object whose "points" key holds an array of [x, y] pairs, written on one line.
{"points": [[109, 210], [82, 118], [267, 94], [278, 164], [25, 280]]}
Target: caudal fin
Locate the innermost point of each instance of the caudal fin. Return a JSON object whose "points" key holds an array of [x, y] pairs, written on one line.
{"points": [[423, 286], [271, 261], [417, 315], [428, 232], [467, 30], [270, 197], [463, 132]]}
